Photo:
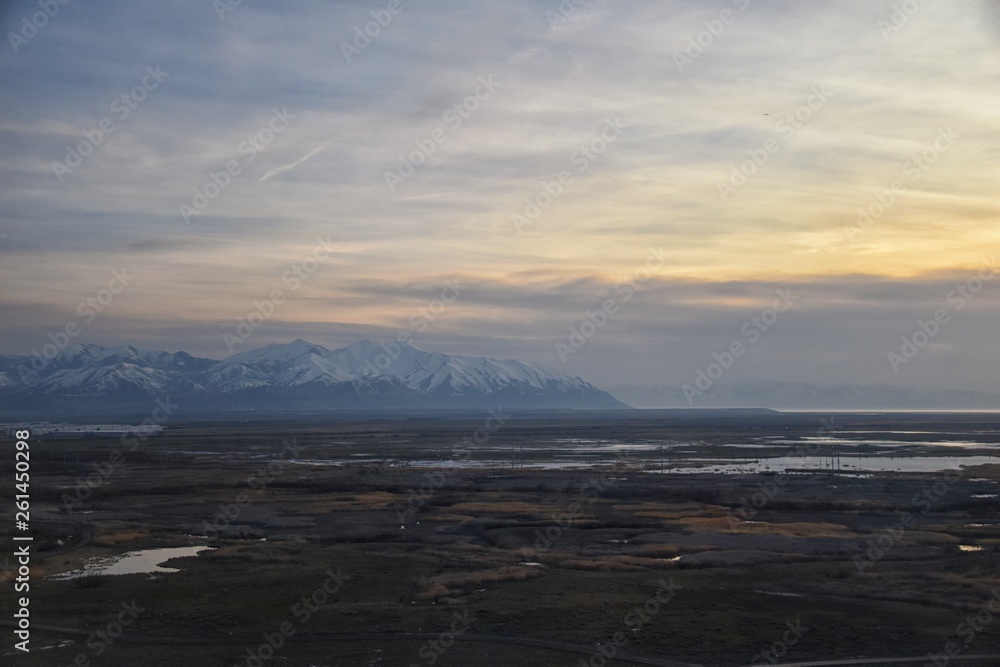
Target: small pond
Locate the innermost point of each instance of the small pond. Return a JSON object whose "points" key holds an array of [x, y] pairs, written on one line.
{"points": [[147, 561]]}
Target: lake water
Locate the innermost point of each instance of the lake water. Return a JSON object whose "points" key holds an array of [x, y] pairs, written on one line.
{"points": [[751, 455], [927, 464], [147, 561]]}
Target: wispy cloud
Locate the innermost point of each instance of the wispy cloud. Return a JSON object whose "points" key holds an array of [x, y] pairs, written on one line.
{"points": [[430, 196], [288, 167], [435, 195], [690, 89]]}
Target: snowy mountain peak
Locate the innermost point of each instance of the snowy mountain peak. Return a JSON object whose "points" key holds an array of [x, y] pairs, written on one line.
{"points": [[365, 374], [429, 371]]}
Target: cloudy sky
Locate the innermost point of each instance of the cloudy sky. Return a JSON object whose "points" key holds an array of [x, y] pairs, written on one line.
{"points": [[674, 163]]}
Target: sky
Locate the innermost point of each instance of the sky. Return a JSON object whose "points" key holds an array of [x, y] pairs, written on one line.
{"points": [[620, 190]]}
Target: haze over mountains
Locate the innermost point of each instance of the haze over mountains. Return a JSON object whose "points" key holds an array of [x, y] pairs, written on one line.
{"points": [[807, 396], [287, 377]]}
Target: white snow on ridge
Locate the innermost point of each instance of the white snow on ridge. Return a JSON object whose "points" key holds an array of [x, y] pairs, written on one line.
{"points": [[428, 371], [301, 362], [96, 370]]}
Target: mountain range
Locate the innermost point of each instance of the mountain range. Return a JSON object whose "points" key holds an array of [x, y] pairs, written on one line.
{"points": [[295, 376]]}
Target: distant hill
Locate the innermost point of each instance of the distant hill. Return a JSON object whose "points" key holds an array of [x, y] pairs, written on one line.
{"points": [[805, 396], [294, 376]]}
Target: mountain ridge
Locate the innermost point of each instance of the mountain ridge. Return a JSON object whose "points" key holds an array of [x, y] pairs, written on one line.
{"points": [[294, 375]]}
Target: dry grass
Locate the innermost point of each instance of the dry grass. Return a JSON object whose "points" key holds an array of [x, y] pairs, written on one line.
{"points": [[34, 573], [456, 584], [665, 512], [447, 518], [659, 551], [923, 537], [107, 537], [617, 564], [499, 507], [608, 564], [373, 500], [804, 529]]}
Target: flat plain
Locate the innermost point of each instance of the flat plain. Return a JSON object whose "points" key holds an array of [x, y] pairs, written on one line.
{"points": [[604, 539]]}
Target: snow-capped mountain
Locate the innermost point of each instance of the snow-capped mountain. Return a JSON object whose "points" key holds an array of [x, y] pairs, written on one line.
{"points": [[292, 376]]}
